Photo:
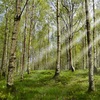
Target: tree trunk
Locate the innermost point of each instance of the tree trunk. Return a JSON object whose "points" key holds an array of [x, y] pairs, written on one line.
{"points": [[83, 43], [71, 38], [94, 45], [57, 71], [89, 40], [30, 36], [67, 51], [86, 53], [4, 62], [11, 67], [24, 44], [48, 43]]}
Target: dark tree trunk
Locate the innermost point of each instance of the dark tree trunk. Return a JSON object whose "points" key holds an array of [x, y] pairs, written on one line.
{"points": [[4, 62]]}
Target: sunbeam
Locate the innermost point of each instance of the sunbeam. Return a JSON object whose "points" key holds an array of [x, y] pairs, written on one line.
{"points": [[85, 50], [50, 48]]}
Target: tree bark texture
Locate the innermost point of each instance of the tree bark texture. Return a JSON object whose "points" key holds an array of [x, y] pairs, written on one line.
{"points": [[57, 72], [89, 40], [30, 36], [24, 44], [11, 67], [4, 62], [94, 35], [71, 37]]}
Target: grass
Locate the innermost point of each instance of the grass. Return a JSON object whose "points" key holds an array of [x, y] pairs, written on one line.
{"points": [[39, 85]]}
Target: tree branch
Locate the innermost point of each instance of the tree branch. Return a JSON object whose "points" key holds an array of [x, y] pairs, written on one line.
{"points": [[65, 7], [23, 8]]}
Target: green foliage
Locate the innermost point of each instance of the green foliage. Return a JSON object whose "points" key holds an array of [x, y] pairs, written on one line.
{"points": [[40, 85]]}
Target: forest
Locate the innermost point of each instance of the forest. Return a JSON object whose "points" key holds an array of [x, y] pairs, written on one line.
{"points": [[49, 50]]}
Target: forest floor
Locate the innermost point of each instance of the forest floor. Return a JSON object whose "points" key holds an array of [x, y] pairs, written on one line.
{"points": [[40, 85]]}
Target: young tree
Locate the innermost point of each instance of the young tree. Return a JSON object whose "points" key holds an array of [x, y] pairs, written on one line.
{"points": [[58, 39], [24, 43], [94, 35], [3, 63], [30, 36], [89, 40], [71, 13]]}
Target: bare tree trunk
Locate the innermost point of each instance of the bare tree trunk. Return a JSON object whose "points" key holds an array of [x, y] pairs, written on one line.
{"points": [[11, 67], [67, 53], [83, 43], [70, 54], [86, 53], [61, 56], [71, 38], [94, 45], [30, 36], [57, 71], [8, 43], [24, 44], [89, 40], [4, 62], [47, 54]]}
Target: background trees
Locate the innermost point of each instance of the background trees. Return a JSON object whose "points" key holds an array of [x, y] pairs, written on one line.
{"points": [[52, 34]]}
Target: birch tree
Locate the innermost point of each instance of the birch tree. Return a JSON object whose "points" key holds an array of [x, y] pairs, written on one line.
{"points": [[12, 59], [89, 40], [58, 39]]}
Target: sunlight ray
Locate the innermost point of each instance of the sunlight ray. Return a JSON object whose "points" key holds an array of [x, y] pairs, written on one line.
{"points": [[50, 47], [85, 50]]}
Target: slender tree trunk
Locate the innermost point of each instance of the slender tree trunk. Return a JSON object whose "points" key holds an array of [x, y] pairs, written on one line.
{"points": [[11, 67], [47, 53], [61, 56], [89, 40], [86, 53], [8, 42], [57, 71], [73, 55], [83, 43], [98, 53], [94, 45], [24, 44], [39, 52], [67, 53], [71, 38], [70, 54], [29, 44], [4, 62], [29, 41], [98, 57]]}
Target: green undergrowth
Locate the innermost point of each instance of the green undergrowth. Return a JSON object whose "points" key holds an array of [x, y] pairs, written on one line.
{"points": [[40, 85]]}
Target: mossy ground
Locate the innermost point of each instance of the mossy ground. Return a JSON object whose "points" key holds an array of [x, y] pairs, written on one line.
{"points": [[40, 85]]}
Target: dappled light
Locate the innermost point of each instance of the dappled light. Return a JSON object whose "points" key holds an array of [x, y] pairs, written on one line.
{"points": [[50, 50]]}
